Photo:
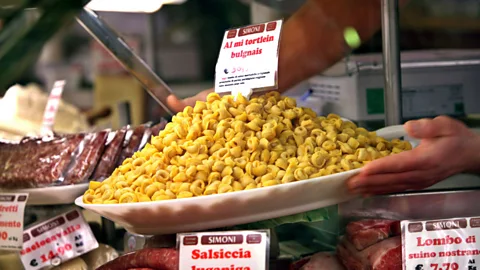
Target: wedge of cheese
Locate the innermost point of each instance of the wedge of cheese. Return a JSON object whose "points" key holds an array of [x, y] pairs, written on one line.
{"points": [[22, 109]]}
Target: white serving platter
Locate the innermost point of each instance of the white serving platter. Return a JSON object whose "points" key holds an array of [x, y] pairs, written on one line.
{"points": [[51, 195], [222, 210]]}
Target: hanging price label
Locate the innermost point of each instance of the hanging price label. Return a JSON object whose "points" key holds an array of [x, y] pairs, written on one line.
{"points": [[239, 250], [248, 58], [57, 240], [12, 208], [52, 107], [447, 244]]}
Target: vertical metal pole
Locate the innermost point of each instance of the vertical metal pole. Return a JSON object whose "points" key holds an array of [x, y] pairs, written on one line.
{"points": [[391, 63]]}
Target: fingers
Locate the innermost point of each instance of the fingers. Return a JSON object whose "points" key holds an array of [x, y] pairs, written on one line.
{"points": [[175, 104], [388, 183], [401, 162], [431, 128]]}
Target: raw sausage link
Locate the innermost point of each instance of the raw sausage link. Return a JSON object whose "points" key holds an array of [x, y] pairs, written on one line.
{"points": [[154, 258]]}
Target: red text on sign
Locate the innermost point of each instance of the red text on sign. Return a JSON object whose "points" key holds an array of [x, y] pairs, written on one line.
{"points": [[447, 240], [53, 238], [221, 254], [444, 266], [231, 267], [60, 251]]}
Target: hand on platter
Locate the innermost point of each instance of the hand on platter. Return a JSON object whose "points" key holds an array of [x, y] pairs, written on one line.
{"points": [[447, 147], [179, 104]]}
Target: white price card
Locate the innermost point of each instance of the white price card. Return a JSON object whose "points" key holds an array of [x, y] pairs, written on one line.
{"points": [[446, 244], [52, 107], [238, 250], [12, 208], [248, 58], [57, 240]]}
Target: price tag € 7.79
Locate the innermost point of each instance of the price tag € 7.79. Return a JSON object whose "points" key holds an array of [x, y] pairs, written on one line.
{"points": [[446, 244], [57, 240], [12, 208]]}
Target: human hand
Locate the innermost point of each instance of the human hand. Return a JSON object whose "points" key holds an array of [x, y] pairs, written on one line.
{"points": [[447, 147], [179, 104]]}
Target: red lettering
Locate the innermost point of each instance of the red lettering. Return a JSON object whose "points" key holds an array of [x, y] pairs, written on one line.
{"points": [[448, 240], [195, 254]]}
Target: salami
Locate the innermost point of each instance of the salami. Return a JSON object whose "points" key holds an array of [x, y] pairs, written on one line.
{"points": [[37, 162], [109, 157], [133, 144], [150, 258], [158, 127]]}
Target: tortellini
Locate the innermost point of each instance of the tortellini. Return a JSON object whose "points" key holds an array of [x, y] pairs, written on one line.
{"points": [[227, 145]]}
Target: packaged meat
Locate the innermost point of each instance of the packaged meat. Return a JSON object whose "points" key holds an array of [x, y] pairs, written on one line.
{"points": [[147, 134], [150, 258], [365, 233], [37, 162], [108, 161], [133, 143], [158, 127], [89, 152]]}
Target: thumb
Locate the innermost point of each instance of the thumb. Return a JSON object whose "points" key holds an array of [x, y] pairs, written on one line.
{"points": [[430, 128], [175, 104]]}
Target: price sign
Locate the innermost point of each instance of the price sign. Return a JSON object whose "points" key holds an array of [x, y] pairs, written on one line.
{"points": [[447, 244], [239, 250], [248, 58], [52, 107], [57, 240], [12, 208]]}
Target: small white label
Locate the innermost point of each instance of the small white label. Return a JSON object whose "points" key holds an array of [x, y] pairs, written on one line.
{"points": [[248, 58], [239, 250], [57, 240], [447, 244], [12, 208], [52, 107]]}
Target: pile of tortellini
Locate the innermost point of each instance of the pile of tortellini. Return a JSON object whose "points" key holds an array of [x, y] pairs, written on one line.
{"points": [[227, 145]]}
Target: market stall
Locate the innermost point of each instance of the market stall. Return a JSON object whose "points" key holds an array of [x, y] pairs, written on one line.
{"points": [[235, 182]]}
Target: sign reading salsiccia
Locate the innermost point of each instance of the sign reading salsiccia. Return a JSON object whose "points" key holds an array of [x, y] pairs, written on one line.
{"points": [[238, 250]]}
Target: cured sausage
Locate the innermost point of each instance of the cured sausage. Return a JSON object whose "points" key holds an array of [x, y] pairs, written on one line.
{"points": [[150, 258], [106, 165], [36, 162], [89, 154], [132, 144]]}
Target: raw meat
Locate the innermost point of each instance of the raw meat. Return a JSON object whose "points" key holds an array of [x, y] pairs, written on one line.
{"points": [[384, 255], [323, 261], [365, 233], [154, 258]]}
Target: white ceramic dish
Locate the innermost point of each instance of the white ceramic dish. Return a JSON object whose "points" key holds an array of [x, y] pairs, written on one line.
{"points": [[51, 195], [215, 211]]}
